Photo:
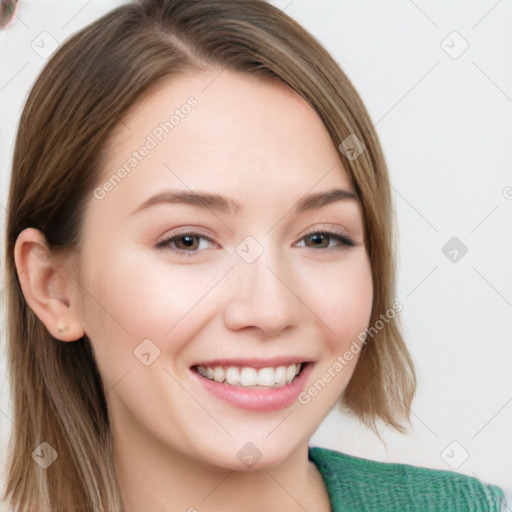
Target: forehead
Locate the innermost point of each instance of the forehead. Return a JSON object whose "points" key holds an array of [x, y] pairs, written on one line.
{"points": [[221, 131]]}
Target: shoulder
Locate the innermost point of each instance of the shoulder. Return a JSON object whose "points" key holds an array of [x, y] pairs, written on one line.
{"points": [[359, 484]]}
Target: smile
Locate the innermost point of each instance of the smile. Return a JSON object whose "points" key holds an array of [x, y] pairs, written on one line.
{"points": [[250, 377], [263, 389]]}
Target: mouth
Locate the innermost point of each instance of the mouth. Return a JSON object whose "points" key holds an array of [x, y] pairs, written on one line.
{"points": [[250, 377], [269, 385]]}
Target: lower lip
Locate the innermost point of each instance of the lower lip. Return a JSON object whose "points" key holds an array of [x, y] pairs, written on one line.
{"points": [[259, 400]]}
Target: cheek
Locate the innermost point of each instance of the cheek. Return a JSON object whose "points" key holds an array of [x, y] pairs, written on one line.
{"points": [[343, 302], [342, 297], [134, 295]]}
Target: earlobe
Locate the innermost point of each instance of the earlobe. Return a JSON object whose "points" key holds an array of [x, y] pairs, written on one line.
{"points": [[47, 286]]}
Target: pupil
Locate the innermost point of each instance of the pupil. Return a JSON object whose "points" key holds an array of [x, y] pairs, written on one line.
{"points": [[188, 241], [318, 239]]}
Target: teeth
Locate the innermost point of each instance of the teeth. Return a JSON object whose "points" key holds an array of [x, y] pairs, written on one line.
{"points": [[250, 377], [290, 373], [266, 377], [232, 376], [218, 374], [281, 375]]}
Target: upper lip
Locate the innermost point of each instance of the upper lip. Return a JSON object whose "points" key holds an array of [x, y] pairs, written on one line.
{"points": [[254, 362]]}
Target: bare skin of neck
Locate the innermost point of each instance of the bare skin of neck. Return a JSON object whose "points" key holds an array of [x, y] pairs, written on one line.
{"points": [[176, 483]]}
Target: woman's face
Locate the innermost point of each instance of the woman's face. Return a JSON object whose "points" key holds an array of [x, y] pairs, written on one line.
{"points": [[229, 239]]}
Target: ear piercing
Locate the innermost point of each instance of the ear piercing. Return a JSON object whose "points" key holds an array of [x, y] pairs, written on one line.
{"points": [[63, 328]]}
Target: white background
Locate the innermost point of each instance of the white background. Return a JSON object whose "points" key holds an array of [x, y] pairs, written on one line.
{"points": [[445, 125]]}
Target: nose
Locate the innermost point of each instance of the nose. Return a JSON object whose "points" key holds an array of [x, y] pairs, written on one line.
{"points": [[262, 298]]}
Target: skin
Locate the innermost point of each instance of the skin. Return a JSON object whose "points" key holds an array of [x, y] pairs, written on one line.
{"points": [[258, 143]]}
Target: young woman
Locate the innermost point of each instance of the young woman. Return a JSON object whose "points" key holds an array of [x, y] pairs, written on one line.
{"points": [[200, 244]]}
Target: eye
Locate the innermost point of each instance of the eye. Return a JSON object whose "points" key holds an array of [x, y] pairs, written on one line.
{"points": [[325, 240], [187, 242]]}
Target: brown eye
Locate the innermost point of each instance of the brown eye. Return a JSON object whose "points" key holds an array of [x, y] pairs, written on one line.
{"points": [[325, 240], [317, 240], [187, 242]]}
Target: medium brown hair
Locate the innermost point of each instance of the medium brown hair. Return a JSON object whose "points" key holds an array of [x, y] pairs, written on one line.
{"points": [[84, 91]]}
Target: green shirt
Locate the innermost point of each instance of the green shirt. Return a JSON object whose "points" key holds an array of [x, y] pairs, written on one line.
{"points": [[360, 485]]}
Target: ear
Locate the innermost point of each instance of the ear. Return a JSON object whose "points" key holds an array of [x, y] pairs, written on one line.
{"points": [[49, 289]]}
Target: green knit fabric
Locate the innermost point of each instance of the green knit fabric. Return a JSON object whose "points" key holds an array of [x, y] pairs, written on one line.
{"points": [[360, 485]]}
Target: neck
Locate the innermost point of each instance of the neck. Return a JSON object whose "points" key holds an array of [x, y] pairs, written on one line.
{"points": [[156, 478]]}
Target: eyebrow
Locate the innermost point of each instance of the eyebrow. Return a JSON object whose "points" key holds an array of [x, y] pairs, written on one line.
{"points": [[320, 199], [224, 204], [202, 199]]}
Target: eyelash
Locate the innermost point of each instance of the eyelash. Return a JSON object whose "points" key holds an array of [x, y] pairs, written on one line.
{"points": [[342, 239]]}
